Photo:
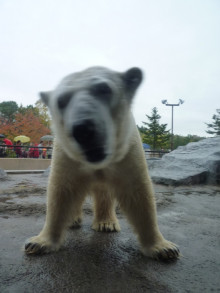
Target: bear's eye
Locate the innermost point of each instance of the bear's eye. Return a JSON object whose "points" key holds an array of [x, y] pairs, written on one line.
{"points": [[101, 90], [63, 100]]}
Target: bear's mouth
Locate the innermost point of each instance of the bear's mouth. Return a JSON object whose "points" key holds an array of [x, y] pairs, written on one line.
{"points": [[95, 155]]}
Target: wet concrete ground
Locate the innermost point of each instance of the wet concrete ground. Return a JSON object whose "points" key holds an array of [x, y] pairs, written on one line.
{"points": [[110, 262]]}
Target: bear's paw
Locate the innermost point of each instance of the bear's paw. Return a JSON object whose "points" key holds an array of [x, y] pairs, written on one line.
{"points": [[76, 223], [39, 245], [164, 250]]}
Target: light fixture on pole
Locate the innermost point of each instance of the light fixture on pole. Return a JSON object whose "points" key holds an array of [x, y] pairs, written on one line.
{"points": [[172, 105]]}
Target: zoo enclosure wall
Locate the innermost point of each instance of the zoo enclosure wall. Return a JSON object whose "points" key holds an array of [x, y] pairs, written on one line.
{"points": [[24, 164]]}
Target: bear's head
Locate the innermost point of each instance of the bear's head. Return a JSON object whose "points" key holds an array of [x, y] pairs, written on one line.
{"points": [[91, 114]]}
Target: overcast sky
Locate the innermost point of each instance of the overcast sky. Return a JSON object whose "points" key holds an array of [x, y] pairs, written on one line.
{"points": [[175, 42]]}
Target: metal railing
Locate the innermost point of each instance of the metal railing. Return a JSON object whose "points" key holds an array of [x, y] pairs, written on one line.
{"points": [[25, 151], [9, 151], [155, 154]]}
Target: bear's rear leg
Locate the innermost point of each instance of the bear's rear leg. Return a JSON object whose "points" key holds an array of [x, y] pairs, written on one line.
{"points": [[105, 217], [76, 223], [77, 218]]}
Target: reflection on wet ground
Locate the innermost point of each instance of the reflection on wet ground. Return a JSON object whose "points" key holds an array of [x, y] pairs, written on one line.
{"points": [[110, 262]]}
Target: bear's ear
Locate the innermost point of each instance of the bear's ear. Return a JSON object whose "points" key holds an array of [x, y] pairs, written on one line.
{"points": [[132, 78], [45, 96]]}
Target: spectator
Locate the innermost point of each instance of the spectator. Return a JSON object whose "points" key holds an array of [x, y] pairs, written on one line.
{"points": [[36, 151], [31, 151], [18, 149], [40, 149], [2, 149], [24, 152], [44, 153], [49, 150]]}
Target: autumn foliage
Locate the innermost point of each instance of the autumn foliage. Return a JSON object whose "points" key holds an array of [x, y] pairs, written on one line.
{"points": [[27, 124]]}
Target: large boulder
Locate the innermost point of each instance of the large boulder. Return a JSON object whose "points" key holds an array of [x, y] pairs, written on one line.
{"points": [[195, 163], [3, 175]]}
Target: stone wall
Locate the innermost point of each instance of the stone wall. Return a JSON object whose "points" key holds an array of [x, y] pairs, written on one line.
{"points": [[24, 164]]}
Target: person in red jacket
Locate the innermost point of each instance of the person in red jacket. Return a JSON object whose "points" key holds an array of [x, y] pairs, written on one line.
{"points": [[36, 151], [31, 151], [18, 149]]}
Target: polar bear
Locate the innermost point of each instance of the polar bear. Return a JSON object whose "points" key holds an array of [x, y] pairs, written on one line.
{"points": [[98, 151]]}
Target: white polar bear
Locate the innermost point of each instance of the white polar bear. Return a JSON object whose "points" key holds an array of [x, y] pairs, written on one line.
{"points": [[98, 151]]}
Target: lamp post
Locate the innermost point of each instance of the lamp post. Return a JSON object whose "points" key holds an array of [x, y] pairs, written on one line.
{"points": [[172, 105]]}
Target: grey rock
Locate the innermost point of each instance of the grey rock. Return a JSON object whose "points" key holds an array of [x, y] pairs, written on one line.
{"points": [[3, 175], [46, 173], [195, 163]]}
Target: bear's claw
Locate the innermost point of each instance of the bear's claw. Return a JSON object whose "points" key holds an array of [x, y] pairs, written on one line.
{"points": [[106, 227], [40, 245], [168, 254], [164, 250], [34, 248], [76, 223]]}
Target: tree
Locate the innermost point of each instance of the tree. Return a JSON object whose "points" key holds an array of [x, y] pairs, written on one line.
{"points": [[25, 124], [32, 121], [8, 111], [23, 110], [154, 133], [43, 113], [215, 125], [180, 140]]}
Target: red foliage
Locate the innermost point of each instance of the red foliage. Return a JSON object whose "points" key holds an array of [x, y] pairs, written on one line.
{"points": [[25, 124]]}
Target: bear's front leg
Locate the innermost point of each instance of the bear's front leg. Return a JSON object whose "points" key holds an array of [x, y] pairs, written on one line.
{"points": [[136, 198], [63, 205], [140, 210]]}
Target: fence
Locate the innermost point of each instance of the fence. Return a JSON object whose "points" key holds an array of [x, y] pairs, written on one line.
{"points": [[154, 154], [23, 151], [9, 152]]}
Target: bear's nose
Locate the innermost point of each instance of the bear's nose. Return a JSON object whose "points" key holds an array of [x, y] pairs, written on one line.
{"points": [[84, 132]]}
